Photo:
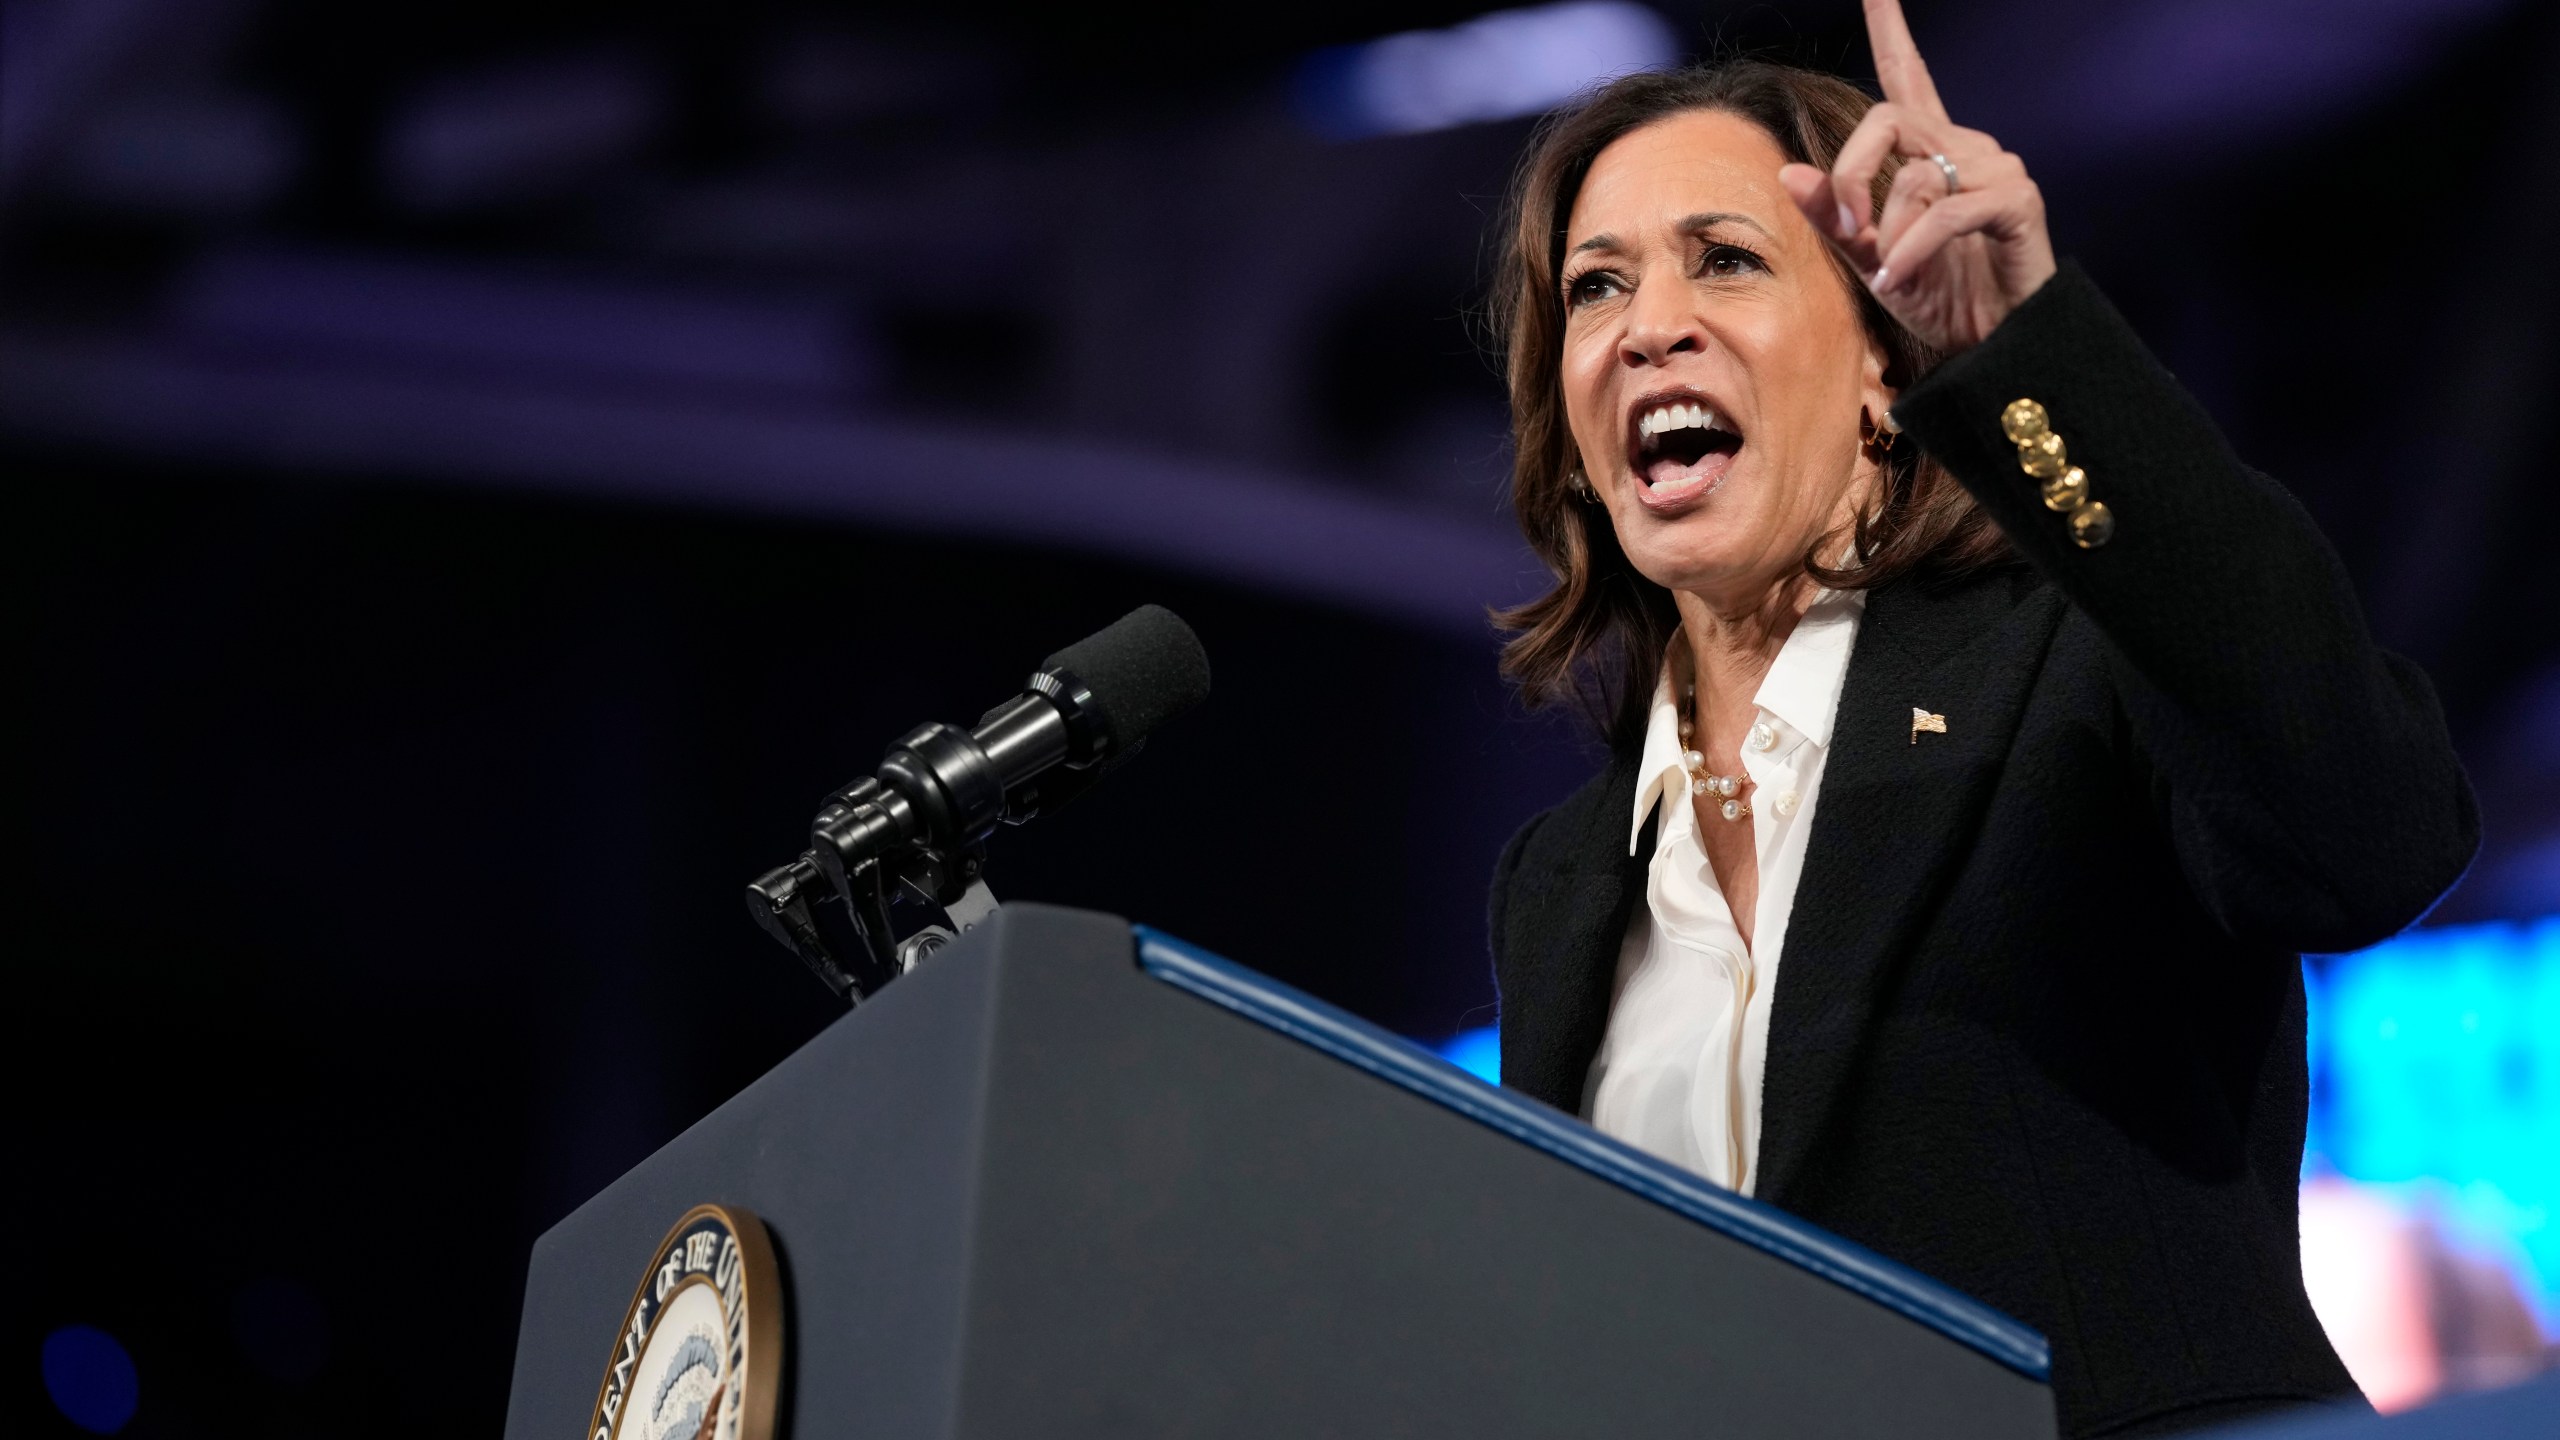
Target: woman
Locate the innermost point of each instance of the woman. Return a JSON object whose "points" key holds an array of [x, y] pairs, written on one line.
{"points": [[1987, 740]]}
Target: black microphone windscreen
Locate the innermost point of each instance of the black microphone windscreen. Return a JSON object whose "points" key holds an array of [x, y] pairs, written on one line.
{"points": [[1143, 669]]}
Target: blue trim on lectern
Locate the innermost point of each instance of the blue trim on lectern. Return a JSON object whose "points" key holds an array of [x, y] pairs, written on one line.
{"points": [[1400, 1062]]}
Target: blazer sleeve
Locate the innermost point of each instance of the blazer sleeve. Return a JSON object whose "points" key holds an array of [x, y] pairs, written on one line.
{"points": [[2304, 774]]}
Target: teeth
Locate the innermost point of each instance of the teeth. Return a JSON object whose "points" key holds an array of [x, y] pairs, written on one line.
{"points": [[1674, 417]]}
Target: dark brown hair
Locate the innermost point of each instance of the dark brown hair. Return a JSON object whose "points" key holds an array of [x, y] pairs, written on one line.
{"points": [[1598, 637]]}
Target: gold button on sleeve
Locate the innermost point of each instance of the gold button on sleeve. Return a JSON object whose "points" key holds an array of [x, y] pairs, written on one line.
{"points": [[2044, 457], [2092, 525], [2024, 421], [2066, 490]]}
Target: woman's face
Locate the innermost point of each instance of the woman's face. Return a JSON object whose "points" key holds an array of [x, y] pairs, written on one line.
{"points": [[1714, 367]]}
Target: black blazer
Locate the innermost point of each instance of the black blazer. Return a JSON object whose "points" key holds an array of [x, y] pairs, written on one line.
{"points": [[2038, 1031]]}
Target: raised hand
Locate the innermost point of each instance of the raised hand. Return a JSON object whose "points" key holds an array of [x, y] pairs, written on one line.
{"points": [[1961, 239]]}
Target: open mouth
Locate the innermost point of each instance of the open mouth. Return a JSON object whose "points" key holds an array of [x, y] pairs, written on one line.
{"points": [[1681, 445]]}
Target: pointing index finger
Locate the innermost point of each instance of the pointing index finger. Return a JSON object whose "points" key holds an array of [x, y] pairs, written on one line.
{"points": [[1898, 65]]}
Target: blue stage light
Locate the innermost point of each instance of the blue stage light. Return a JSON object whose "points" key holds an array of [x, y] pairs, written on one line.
{"points": [[2436, 1057], [1477, 1051], [91, 1379]]}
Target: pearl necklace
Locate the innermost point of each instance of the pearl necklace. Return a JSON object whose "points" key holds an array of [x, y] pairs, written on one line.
{"points": [[1728, 788]]}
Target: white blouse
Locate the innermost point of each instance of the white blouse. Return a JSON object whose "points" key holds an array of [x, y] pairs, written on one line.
{"points": [[1678, 1073]]}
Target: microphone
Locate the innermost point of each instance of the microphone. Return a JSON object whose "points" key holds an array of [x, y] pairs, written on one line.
{"points": [[1088, 707], [925, 813]]}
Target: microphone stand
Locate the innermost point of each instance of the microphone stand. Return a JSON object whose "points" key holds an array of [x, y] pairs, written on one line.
{"points": [[954, 883], [920, 840]]}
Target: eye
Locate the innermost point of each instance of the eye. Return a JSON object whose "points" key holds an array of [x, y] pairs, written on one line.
{"points": [[1724, 260], [1590, 285]]}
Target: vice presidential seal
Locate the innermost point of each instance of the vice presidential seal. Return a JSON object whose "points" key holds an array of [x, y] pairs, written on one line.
{"points": [[700, 1352]]}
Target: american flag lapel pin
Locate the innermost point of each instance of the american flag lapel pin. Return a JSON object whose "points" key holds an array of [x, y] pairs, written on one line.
{"points": [[1923, 720]]}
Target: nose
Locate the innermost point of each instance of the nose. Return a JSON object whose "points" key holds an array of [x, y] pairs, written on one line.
{"points": [[1660, 324]]}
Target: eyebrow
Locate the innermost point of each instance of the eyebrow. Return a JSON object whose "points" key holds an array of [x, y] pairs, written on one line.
{"points": [[1709, 219], [1689, 225]]}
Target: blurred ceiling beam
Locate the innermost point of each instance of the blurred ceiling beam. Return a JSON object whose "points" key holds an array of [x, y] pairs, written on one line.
{"points": [[1282, 533], [514, 321]]}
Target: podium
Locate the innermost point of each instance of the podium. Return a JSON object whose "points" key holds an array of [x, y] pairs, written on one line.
{"points": [[1075, 1178]]}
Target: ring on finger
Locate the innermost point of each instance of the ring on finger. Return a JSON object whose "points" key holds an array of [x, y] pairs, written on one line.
{"points": [[1947, 167]]}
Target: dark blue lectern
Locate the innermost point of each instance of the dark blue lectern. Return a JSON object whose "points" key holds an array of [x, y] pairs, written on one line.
{"points": [[1075, 1179]]}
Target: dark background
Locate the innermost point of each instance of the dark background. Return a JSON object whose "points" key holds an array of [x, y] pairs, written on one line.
{"points": [[479, 473]]}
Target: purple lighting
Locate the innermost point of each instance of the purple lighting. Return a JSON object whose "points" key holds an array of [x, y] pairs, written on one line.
{"points": [[1257, 528], [515, 319], [1496, 67], [518, 131], [2104, 80]]}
